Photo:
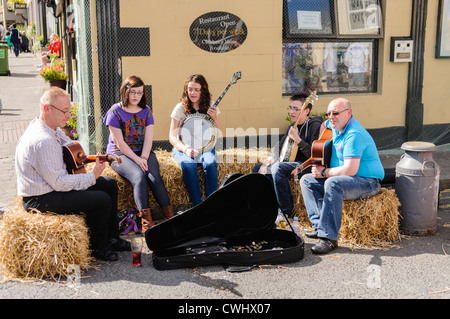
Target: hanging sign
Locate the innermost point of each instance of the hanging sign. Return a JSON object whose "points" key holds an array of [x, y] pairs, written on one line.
{"points": [[218, 32]]}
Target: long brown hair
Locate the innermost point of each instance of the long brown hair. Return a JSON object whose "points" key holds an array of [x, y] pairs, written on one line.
{"points": [[131, 82], [205, 96]]}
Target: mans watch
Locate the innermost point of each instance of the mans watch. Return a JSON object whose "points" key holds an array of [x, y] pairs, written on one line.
{"points": [[323, 173]]}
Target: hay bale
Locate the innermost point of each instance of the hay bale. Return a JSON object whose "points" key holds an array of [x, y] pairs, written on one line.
{"points": [[34, 245], [371, 222], [228, 161], [367, 223]]}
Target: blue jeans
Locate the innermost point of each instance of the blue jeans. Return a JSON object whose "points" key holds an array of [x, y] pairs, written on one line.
{"points": [[140, 181], [188, 165], [280, 174], [324, 198], [16, 48]]}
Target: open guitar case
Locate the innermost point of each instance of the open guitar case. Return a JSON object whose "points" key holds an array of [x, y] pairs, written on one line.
{"points": [[233, 227]]}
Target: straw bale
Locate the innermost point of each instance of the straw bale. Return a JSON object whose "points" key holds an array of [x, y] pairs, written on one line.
{"points": [[371, 222], [34, 245], [367, 223], [228, 161]]}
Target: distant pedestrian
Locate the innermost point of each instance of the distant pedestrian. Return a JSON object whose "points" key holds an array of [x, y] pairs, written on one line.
{"points": [[24, 44], [8, 40], [16, 40], [2, 31]]}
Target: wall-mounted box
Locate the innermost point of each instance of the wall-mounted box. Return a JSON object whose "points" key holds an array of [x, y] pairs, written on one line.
{"points": [[401, 49]]}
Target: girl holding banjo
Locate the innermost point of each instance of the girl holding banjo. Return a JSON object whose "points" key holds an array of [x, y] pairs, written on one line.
{"points": [[131, 124], [195, 101]]}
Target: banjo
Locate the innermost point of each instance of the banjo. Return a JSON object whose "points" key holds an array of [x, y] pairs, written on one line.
{"points": [[198, 130]]}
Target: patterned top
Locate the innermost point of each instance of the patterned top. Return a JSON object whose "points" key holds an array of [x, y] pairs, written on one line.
{"points": [[40, 166], [132, 125]]}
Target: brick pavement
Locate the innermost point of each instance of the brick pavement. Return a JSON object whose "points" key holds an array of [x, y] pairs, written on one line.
{"points": [[20, 95]]}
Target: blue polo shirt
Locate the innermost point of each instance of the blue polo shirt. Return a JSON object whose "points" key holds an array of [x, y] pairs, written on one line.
{"points": [[356, 142]]}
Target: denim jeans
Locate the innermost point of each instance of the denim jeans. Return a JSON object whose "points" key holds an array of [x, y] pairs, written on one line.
{"points": [[188, 165], [280, 174], [141, 181], [16, 49], [324, 198]]}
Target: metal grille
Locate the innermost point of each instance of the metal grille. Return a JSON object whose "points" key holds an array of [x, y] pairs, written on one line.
{"points": [[87, 130]]}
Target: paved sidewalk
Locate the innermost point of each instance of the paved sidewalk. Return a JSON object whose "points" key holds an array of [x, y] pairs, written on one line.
{"points": [[20, 95]]}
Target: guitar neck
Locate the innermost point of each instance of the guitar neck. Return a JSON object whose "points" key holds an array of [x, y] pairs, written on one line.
{"points": [[93, 158]]}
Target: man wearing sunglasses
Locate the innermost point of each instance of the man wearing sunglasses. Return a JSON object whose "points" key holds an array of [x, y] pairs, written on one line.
{"points": [[355, 172], [304, 135], [45, 184]]}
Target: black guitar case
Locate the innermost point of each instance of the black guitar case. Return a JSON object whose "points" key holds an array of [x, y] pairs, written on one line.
{"points": [[234, 226]]}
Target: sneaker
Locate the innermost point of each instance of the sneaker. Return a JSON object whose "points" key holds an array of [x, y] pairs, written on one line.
{"points": [[324, 246], [40, 65], [311, 233]]}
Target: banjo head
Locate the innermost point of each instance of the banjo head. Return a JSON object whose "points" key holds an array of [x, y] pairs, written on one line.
{"points": [[199, 132]]}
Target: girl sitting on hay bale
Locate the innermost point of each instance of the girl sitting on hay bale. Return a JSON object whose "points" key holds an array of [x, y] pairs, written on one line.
{"points": [[131, 124], [195, 98]]}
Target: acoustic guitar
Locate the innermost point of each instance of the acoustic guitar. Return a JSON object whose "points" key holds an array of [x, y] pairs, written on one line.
{"points": [[75, 158], [290, 148], [320, 153]]}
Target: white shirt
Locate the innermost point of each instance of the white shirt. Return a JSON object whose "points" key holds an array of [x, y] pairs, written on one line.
{"points": [[179, 115], [39, 163], [357, 58]]}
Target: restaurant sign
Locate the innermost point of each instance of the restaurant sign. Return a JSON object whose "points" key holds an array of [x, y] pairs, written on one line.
{"points": [[218, 32]]}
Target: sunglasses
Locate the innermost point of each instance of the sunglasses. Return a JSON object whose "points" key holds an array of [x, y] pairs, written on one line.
{"points": [[335, 113]]}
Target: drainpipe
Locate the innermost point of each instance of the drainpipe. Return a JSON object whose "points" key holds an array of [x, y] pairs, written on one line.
{"points": [[414, 105]]}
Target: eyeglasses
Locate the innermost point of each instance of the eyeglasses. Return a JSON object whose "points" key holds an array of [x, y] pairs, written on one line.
{"points": [[65, 112], [136, 93], [293, 109], [335, 113]]}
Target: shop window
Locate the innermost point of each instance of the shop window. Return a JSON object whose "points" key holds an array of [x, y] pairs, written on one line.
{"points": [[331, 45]]}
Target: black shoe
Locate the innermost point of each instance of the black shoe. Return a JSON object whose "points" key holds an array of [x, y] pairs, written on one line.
{"points": [[311, 233], [324, 246], [105, 254], [119, 244]]}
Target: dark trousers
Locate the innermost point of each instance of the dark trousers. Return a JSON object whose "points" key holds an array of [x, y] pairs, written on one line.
{"points": [[16, 48], [98, 203]]}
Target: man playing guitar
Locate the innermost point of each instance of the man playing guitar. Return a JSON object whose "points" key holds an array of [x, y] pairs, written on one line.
{"points": [[304, 135], [45, 184]]}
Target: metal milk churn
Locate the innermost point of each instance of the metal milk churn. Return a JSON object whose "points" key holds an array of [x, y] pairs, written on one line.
{"points": [[417, 188]]}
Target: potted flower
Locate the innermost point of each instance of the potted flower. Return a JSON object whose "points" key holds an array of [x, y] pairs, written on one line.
{"points": [[54, 73], [71, 127]]}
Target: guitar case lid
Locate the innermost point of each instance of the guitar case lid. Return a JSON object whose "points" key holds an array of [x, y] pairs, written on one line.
{"points": [[244, 204]]}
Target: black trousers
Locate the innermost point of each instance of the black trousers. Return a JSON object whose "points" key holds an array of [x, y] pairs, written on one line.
{"points": [[98, 202]]}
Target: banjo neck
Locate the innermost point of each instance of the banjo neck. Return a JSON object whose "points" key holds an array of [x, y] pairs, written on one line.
{"points": [[236, 76], [222, 95]]}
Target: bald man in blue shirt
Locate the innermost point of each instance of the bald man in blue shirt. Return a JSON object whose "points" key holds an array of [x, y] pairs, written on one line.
{"points": [[355, 172]]}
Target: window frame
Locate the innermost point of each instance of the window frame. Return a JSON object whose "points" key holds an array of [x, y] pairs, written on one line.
{"points": [[336, 15], [336, 36]]}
